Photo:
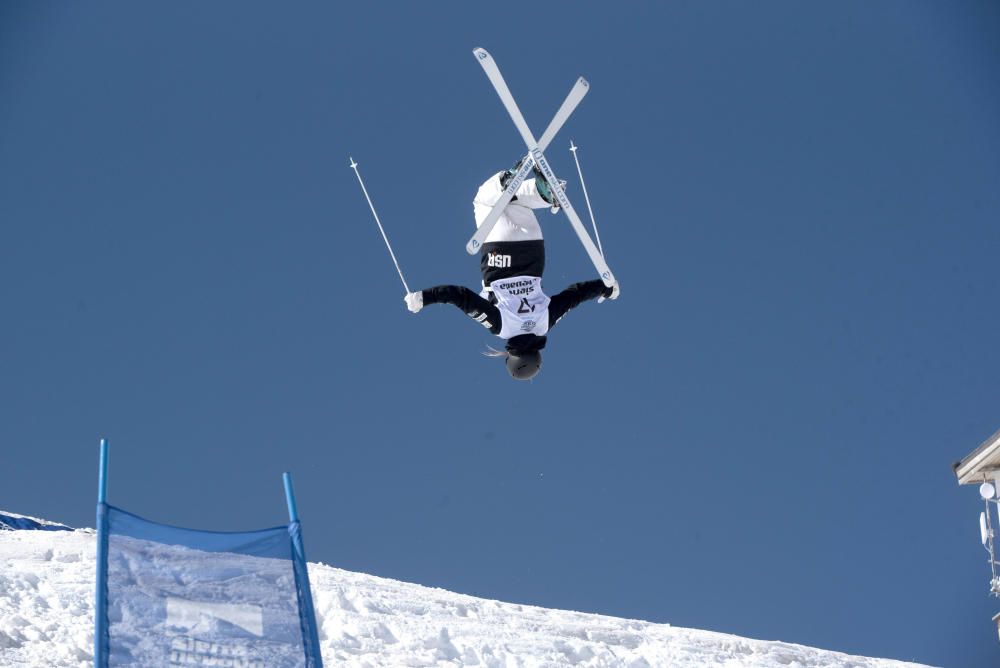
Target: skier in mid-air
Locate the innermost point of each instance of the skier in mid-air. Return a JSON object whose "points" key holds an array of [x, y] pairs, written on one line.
{"points": [[512, 304]]}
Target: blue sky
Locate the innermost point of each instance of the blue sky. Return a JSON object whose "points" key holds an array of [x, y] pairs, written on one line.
{"points": [[800, 202]]}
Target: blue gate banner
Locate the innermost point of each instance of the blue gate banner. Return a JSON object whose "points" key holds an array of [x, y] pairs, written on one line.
{"points": [[182, 597]]}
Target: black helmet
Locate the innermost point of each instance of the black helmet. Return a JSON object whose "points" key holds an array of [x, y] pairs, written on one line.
{"points": [[524, 366]]}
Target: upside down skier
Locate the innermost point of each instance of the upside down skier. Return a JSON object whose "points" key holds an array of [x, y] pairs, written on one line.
{"points": [[512, 304]]}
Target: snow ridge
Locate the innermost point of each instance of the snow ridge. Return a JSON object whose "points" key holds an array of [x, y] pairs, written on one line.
{"points": [[15, 522], [46, 619]]}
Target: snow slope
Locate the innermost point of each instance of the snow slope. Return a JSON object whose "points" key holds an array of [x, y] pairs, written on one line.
{"points": [[46, 620]]}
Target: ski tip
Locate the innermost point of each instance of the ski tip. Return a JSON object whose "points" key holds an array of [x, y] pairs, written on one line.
{"points": [[481, 53], [583, 82]]}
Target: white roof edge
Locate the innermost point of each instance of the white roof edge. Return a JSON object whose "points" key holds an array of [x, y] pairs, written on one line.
{"points": [[983, 460]]}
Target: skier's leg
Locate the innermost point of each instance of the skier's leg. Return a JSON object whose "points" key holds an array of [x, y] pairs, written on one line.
{"points": [[517, 223], [487, 195]]}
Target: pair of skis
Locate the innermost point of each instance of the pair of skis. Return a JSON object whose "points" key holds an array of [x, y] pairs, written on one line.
{"points": [[536, 158]]}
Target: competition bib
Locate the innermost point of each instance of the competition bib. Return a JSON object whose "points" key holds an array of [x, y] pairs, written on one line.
{"points": [[524, 308]]}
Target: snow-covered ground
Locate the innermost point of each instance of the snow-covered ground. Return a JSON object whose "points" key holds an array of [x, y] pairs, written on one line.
{"points": [[47, 615]]}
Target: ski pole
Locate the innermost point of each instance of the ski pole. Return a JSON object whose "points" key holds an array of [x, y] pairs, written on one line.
{"points": [[572, 149], [354, 166]]}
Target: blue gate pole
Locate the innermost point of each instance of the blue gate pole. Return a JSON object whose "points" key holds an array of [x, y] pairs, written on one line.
{"points": [[102, 475], [307, 614], [293, 512], [101, 590]]}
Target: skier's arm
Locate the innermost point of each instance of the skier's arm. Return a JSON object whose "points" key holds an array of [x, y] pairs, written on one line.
{"points": [[474, 306], [573, 296]]}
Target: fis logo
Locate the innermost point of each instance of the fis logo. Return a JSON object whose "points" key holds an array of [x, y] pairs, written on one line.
{"points": [[497, 260]]}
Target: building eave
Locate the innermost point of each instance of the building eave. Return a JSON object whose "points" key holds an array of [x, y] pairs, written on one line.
{"points": [[982, 463]]}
